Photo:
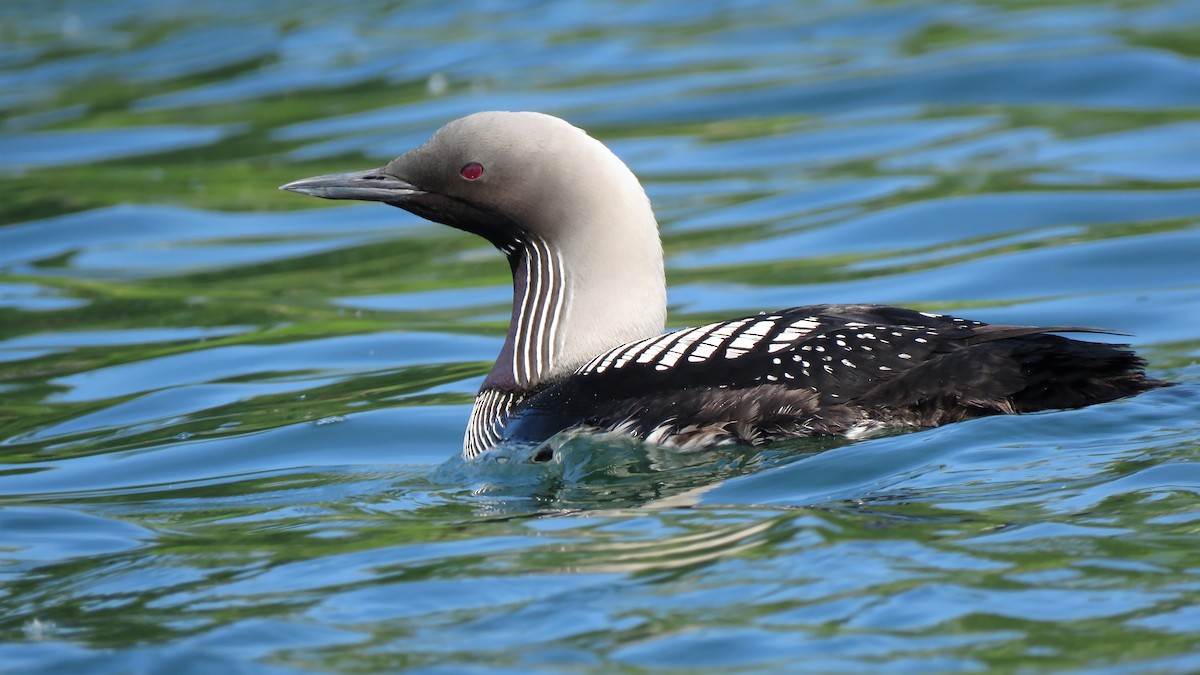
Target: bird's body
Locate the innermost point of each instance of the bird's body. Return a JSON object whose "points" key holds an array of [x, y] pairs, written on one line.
{"points": [[585, 347], [823, 370]]}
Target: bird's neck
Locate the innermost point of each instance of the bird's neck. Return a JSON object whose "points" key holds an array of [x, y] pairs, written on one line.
{"points": [[531, 351], [591, 281], [574, 301]]}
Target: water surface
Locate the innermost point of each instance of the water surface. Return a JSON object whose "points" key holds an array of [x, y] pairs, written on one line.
{"points": [[226, 412]]}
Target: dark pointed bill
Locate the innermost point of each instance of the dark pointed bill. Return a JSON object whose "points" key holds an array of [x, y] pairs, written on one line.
{"points": [[372, 185]]}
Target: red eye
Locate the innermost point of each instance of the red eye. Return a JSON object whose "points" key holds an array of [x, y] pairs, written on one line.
{"points": [[471, 170]]}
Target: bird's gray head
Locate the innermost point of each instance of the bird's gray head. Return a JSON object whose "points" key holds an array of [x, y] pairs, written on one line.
{"points": [[574, 221], [497, 174]]}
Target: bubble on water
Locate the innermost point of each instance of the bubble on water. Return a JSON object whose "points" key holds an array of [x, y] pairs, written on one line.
{"points": [[332, 419], [35, 629], [437, 84]]}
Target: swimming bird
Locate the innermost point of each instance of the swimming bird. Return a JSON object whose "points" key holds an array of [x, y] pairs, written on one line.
{"points": [[585, 348]]}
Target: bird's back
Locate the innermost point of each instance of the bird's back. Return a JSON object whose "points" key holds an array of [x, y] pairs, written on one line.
{"points": [[827, 369]]}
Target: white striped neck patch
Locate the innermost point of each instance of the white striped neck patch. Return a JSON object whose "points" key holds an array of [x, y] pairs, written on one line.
{"points": [[492, 410], [540, 292]]}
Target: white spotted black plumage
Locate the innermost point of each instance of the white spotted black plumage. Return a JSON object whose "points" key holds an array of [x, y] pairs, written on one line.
{"points": [[826, 369], [828, 349]]}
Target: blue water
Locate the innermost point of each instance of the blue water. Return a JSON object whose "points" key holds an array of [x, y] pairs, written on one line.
{"points": [[229, 415]]}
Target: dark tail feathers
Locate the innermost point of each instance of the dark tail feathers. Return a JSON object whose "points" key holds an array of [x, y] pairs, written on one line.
{"points": [[1017, 371]]}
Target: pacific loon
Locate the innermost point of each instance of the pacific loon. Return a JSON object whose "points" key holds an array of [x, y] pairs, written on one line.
{"points": [[585, 346]]}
